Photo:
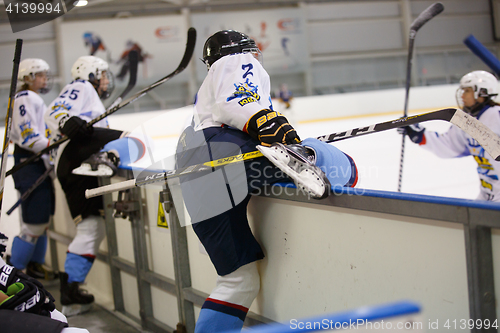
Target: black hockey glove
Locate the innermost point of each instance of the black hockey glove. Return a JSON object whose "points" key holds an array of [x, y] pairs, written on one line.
{"points": [[3, 244], [414, 132], [270, 127], [10, 275], [27, 297], [76, 128]]}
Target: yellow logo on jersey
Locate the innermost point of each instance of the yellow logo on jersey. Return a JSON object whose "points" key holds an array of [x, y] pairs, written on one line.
{"points": [[61, 114], [483, 162], [247, 91], [486, 185], [246, 101], [26, 130], [61, 106]]}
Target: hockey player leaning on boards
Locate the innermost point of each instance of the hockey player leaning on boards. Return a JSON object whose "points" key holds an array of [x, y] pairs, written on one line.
{"points": [[92, 151], [29, 137], [476, 95], [233, 114]]}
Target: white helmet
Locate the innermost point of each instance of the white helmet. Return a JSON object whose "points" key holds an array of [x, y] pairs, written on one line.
{"points": [[88, 68], [483, 83], [31, 66]]}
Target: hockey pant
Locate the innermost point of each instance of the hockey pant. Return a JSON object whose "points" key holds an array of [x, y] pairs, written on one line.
{"points": [[31, 243], [70, 157], [227, 306], [82, 250], [217, 201]]}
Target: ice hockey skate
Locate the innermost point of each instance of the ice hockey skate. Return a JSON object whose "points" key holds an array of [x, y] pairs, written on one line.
{"points": [[40, 271], [298, 163], [101, 164], [73, 299]]}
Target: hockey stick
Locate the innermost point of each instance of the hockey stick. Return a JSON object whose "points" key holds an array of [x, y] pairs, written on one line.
{"points": [[425, 16], [483, 53], [477, 130], [8, 118], [26, 194], [133, 61], [190, 44]]}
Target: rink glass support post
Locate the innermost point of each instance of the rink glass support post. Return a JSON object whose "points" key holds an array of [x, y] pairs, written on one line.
{"points": [[136, 215], [112, 255], [479, 257], [129, 206], [181, 263], [54, 260]]}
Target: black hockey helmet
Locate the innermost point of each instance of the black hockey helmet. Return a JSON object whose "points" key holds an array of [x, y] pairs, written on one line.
{"points": [[227, 42]]}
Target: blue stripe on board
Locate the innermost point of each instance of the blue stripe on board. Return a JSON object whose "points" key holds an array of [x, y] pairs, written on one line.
{"points": [[410, 197], [395, 195], [347, 318]]}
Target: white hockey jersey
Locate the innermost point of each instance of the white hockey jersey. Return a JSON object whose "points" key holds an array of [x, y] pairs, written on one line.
{"points": [[236, 87], [457, 143], [28, 129], [78, 98]]}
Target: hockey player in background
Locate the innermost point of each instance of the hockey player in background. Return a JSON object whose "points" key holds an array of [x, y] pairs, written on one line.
{"points": [[476, 95], [29, 137], [285, 95], [86, 151], [125, 59], [93, 42], [233, 114]]}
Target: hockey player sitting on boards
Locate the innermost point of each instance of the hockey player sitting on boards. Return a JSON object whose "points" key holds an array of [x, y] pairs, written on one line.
{"points": [[29, 137], [101, 149], [233, 114], [475, 95]]}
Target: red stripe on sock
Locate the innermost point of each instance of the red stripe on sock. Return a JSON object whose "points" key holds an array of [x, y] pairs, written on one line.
{"points": [[231, 305], [91, 256]]}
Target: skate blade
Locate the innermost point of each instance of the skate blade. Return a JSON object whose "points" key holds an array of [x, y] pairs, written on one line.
{"points": [[308, 179], [75, 309], [86, 170]]}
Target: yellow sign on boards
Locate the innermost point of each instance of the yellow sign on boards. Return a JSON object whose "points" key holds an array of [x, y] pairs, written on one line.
{"points": [[162, 221]]}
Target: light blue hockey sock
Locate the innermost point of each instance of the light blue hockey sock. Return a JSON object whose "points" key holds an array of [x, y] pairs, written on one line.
{"points": [[339, 168], [77, 267], [129, 150], [220, 316], [22, 252], [40, 250], [211, 321]]}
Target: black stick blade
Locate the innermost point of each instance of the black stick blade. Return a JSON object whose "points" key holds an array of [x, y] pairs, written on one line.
{"points": [[426, 15], [133, 58], [190, 44]]}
